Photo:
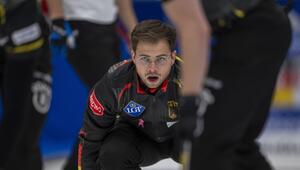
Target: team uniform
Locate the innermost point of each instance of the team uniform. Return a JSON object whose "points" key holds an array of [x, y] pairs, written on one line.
{"points": [[250, 44], [25, 83], [128, 125]]}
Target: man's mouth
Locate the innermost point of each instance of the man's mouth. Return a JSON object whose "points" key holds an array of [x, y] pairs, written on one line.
{"points": [[152, 78]]}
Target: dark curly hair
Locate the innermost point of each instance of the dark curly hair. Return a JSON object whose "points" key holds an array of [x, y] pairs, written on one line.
{"points": [[153, 31]]}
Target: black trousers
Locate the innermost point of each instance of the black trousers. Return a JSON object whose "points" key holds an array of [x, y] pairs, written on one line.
{"points": [[245, 60], [128, 149], [97, 49], [25, 84]]}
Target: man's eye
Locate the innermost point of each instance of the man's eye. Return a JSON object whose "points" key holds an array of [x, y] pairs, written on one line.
{"points": [[162, 59], [144, 59]]}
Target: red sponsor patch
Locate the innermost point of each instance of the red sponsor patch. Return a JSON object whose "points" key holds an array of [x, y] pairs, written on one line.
{"points": [[95, 105]]}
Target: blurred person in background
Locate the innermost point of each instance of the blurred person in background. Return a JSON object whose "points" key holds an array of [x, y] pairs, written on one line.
{"points": [[85, 32], [194, 33], [223, 114], [25, 83]]}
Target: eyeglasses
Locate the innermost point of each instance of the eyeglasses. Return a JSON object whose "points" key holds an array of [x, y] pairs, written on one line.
{"points": [[158, 61]]}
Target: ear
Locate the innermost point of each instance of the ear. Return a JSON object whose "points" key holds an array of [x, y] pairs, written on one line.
{"points": [[173, 56], [132, 56]]}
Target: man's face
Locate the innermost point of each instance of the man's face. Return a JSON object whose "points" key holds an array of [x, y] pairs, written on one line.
{"points": [[153, 62]]}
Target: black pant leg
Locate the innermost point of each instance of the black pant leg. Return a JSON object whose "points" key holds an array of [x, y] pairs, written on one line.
{"points": [[246, 59], [2, 63], [97, 49], [16, 91], [26, 103], [26, 88]]}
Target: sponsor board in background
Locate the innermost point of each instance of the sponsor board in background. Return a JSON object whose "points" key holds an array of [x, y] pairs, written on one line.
{"points": [[281, 139]]}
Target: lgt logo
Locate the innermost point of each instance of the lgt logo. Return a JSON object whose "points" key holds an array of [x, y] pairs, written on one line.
{"points": [[134, 109]]}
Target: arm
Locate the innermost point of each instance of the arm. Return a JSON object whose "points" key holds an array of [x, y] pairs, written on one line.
{"points": [[126, 14], [194, 33], [98, 121], [55, 9]]}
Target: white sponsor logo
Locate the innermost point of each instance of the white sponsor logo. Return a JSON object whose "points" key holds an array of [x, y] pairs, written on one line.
{"points": [[43, 76], [3, 41], [169, 124], [42, 94], [134, 109], [27, 34]]}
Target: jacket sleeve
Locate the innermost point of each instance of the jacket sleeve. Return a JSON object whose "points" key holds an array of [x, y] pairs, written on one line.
{"points": [[99, 118]]}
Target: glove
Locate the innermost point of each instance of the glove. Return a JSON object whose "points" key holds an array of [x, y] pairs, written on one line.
{"points": [[192, 110], [62, 37], [188, 109]]}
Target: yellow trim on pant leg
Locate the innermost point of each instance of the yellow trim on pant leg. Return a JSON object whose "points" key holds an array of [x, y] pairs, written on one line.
{"points": [[2, 14], [25, 48]]}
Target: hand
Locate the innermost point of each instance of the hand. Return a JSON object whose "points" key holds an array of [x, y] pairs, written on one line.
{"points": [[192, 110], [188, 110], [62, 37]]}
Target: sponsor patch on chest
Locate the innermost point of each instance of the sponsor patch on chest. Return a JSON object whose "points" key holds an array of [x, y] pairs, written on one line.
{"points": [[134, 109]]}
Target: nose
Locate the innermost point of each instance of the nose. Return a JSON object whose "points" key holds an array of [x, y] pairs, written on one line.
{"points": [[152, 67]]}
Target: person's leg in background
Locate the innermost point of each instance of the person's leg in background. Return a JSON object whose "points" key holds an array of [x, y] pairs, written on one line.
{"points": [[248, 151], [2, 62], [26, 87], [27, 98], [97, 49], [16, 90], [246, 61]]}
